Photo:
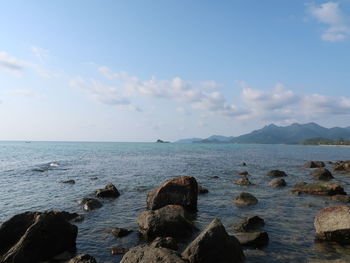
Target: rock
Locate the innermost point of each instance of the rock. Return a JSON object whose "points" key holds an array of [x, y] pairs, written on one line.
{"points": [[253, 239], [277, 182], [342, 166], [83, 258], [119, 232], [243, 181], [93, 178], [333, 224], [322, 174], [90, 204], [35, 236], [341, 198], [214, 245], [319, 188], [250, 223], [166, 242], [168, 221], [276, 173], [245, 199], [202, 190], [68, 182], [149, 254], [215, 177], [243, 173], [178, 191], [110, 191], [314, 164], [243, 164], [73, 217], [118, 250]]}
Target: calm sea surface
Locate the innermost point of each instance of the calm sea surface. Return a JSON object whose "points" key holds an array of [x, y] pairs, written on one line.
{"points": [[30, 176]]}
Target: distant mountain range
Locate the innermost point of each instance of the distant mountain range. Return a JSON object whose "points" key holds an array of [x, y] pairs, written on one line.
{"points": [[271, 134]]}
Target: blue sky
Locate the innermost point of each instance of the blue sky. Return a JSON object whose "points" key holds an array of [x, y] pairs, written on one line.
{"points": [[143, 70]]}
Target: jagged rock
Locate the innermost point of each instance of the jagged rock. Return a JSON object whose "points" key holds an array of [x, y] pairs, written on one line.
{"points": [[35, 236], [202, 190], [90, 204], [83, 258], [314, 164], [277, 182], [119, 232], [276, 173], [178, 191], [253, 239], [319, 188], [341, 198], [250, 223], [245, 199], [149, 254], [333, 224], [243, 181], [167, 242], [322, 174], [168, 221], [214, 245], [110, 191], [68, 182]]}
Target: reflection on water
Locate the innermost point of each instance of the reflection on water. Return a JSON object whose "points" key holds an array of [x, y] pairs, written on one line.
{"points": [[30, 176]]}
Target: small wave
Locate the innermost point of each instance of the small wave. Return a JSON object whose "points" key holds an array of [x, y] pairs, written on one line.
{"points": [[53, 164]]}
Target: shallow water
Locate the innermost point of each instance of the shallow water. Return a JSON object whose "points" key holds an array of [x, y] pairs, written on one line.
{"points": [[30, 176]]}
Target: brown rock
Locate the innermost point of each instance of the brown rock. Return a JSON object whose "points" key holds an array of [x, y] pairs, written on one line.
{"points": [[243, 181], [245, 199], [118, 250], [250, 223], [276, 173], [253, 239], [277, 182], [314, 164], [341, 198], [322, 174], [110, 191], [319, 188], [83, 258]]}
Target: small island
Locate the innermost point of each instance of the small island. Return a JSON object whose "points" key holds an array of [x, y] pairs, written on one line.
{"points": [[161, 141]]}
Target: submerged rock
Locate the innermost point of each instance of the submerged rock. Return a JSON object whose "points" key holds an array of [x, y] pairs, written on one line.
{"points": [[214, 245], [243, 164], [168, 221], [68, 182], [110, 191], [167, 242], [119, 232], [245, 199], [253, 239], [314, 164], [333, 224], [277, 182], [83, 258], [319, 188], [243, 181], [202, 190], [276, 173], [90, 204], [178, 191], [250, 223], [341, 198], [35, 236], [322, 174]]}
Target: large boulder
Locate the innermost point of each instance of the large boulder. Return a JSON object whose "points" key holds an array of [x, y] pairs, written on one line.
{"points": [[83, 258], [322, 174], [253, 239], [245, 199], [110, 191], [178, 191], [314, 164], [333, 224], [151, 254], [35, 236], [250, 223], [214, 245], [276, 173], [168, 221], [319, 188], [277, 182]]}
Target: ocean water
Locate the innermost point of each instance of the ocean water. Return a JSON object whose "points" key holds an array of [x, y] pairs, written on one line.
{"points": [[31, 175]]}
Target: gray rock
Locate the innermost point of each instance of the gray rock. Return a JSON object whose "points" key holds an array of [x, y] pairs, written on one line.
{"points": [[250, 223], [314, 164], [119, 232], [243, 181], [68, 182], [90, 204], [83, 258], [277, 182], [276, 173], [166, 242], [110, 191], [214, 245], [322, 174], [253, 239], [245, 199]]}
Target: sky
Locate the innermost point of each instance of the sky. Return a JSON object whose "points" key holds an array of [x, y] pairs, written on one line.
{"points": [[89, 70]]}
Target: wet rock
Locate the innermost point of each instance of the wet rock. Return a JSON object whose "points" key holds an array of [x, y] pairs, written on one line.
{"points": [[333, 224], [93, 178], [277, 182], [35, 236], [73, 217], [319, 188], [68, 182], [276, 173], [168, 221], [243, 164], [250, 223], [242, 173], [314, 164], [322, 174], [90, 204], [202, 190], [110, 191], [118, 250], [214, 245], [83, 258], [149, 254], [245, 199], [243, 181], [342, 166], [178, 191], [253, 239], [119, 232], [166, 242], [341, 198]]}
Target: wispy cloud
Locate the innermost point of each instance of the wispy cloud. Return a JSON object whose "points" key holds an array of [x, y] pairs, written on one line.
{"points": [[330, 14], [11, 64], [40, 53]]}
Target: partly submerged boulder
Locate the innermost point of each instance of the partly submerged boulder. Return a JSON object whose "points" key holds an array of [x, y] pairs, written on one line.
{"points": [[250, 223], [276, 173], [83, 258], [342, 166], [35, 236], [333, 224], [245, 199], [319, 188], [168, 221], [253, 239], [178, 191], [322, 174], [214, 245], [90, 204], [243, 181], [110, 191], [119, 232], [314, 164], [277, 182], [202, 189]]}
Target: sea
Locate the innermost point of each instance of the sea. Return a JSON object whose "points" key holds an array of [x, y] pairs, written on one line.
{"points": [[31, 176]]}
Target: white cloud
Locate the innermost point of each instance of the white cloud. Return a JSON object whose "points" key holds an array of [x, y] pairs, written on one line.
{"points": [[24, 92], [40, 53], [338, 28], [11, 64]]}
